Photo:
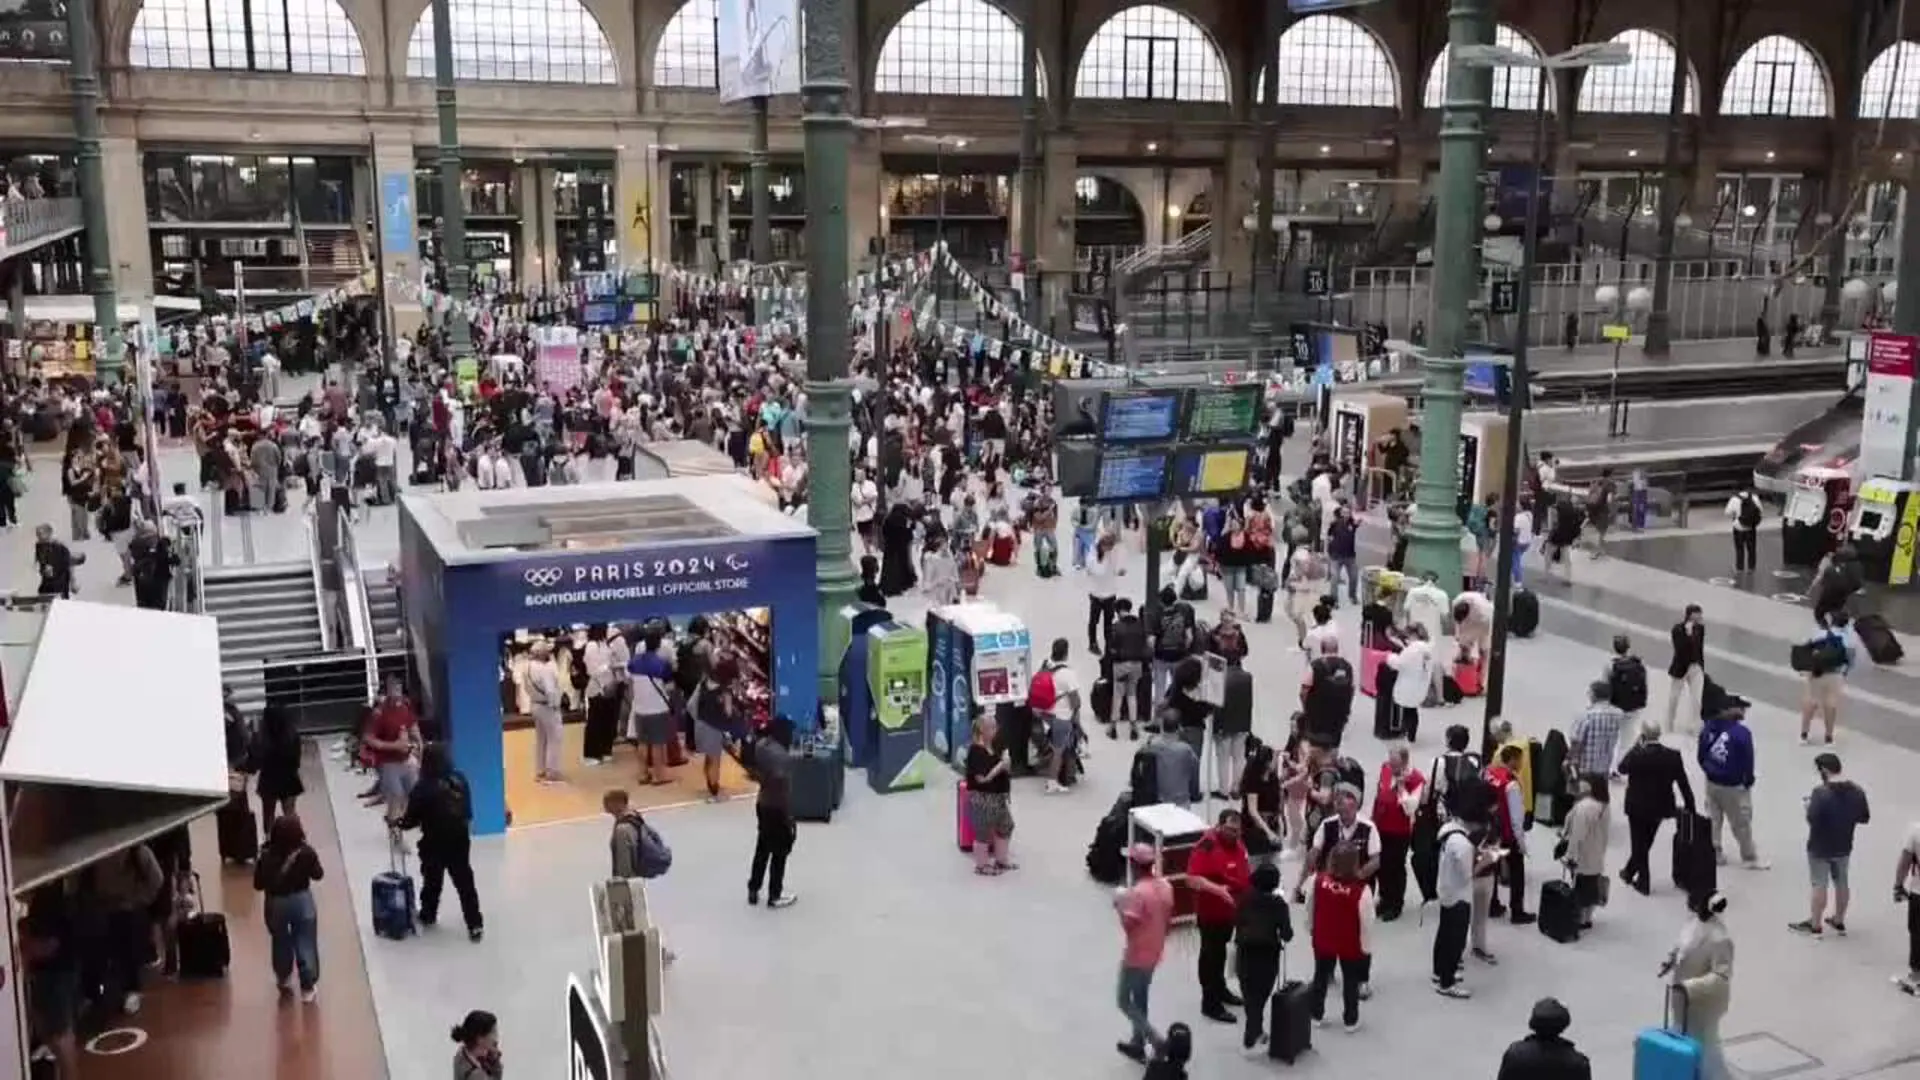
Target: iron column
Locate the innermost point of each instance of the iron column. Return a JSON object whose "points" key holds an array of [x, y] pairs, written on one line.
{"points": [[829, 131], [1659, 340], [1029, 165], [1906, 295], [1433, 543], [760, 230], [453, 208], [83, 75], [1259, 323]]}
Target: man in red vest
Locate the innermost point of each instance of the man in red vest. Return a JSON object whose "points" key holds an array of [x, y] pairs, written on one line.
{"points": [[1220, 874], [1396, 798], [1509, 821]]}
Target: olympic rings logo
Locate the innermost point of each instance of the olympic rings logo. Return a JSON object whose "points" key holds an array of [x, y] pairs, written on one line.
{"points": [[543, 577]]}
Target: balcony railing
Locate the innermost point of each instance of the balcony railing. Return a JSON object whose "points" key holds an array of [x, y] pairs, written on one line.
{"points": [[26, 224]]}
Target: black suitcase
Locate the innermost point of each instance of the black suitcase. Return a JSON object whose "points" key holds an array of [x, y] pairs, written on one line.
{"points": [[1559, 914], [1388, 719], [1696, 869], [238, 830], [1523, 617], [1290, 1023], [204, 949], [1101, 698], [1263, 606], [1882, 646], [816, 784]]}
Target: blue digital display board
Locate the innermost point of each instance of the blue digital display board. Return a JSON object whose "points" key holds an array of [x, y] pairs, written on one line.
{"points": [[1146, 417], [1131, 477]]}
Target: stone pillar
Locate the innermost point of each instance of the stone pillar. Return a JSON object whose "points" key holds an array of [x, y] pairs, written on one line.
{"points": [[128, 236], [724, 211], [640, 197], [1061, 169], [530, 248], [864, 187], [398, 218], [1409, 190], [1232, 199], [1703, 196], [705, 217]]}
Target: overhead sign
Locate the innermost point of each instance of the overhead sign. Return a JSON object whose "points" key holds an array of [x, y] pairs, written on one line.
{"points": [[1089, 314], [1505, 298], [33, 30], [758, 47], [1887, 423], [1317, 283], [1616, 332], [1132, 477], [1143, 416], [719, 570], [1224, 413]]}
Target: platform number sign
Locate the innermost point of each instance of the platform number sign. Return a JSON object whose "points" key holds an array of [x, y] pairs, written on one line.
{"points": [[590, 1055], [1506, 297], [1317, 281]]}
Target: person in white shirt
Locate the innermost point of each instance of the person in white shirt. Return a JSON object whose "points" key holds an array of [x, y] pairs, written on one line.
{"points": [[1414, 674], [1063, 723], [385, 450], [1322, 493], [866, 507], [1522, 540], [1324, 631], [1103, 584], [1308, 576], [1745, 514], [1473, 622]]}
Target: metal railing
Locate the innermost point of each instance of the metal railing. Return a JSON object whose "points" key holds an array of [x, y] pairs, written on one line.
{"points": [[357, 612], [316, 566], [27, 223], [1194, 242], [185, 593]]}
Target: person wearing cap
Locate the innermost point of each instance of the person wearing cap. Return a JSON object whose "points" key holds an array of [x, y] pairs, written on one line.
{"points": [[1725, 754], [1146, 916], [1835, 809], [1544, 1054]]}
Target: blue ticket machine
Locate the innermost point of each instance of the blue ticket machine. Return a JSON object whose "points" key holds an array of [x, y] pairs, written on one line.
{"points": [[977, 656], [856, 699]]}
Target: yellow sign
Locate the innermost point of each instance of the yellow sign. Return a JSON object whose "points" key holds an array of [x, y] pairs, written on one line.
{"points": [[640, 227], [1901, 572], [1223, 470], [1616, 332], [1873, 491]]}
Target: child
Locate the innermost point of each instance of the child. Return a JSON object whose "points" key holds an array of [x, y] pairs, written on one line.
{"points": [[1171, 1062]]}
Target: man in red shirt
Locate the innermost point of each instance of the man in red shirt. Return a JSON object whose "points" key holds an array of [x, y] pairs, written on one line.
{"points": [[392, 734], [1396, 797], [1219, 873], [1146, 916]]}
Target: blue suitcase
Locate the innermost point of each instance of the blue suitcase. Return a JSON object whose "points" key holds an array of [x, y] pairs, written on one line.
{"points": [[395, 904], [1663, 1053]]}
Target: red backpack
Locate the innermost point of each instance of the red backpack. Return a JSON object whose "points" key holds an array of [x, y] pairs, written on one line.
{"points": [[1041, 693]]}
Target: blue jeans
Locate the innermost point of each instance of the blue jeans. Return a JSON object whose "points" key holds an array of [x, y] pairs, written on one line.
{"points": [[1349, 565], [1131, 993], [1082, 544], [1519, 560], [295, 928]]}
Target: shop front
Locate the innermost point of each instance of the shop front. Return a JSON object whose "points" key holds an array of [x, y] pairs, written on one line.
{"points": [[495, 581]]}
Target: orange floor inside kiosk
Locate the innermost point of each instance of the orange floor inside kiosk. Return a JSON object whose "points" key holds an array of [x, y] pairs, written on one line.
{"points": [[741, 636]]}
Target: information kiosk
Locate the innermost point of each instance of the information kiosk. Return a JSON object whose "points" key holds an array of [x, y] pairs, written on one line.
{"points": [[1816, 516], [897, 686], [1483, 456], [482, 567], [1885, 517], [977, 655], [1359, 421]]}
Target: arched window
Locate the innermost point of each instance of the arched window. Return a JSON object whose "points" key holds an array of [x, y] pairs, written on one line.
{"points": [[1513, 87], [1151, 53], [963, 47], [304, 37], [1331, 60], [1643, 86], [688, 55], [537, 41], [1776, 76], [1890, 90]]}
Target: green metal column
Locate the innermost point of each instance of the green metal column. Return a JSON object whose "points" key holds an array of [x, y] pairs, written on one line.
{"points": [[760, 229], [1434, 540], [829, 133], [453, 207], [83, 74], [1030, 181], [1266, 111], [1906, 296]]}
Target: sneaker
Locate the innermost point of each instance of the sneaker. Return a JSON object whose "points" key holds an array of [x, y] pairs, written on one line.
{"points": [[1054, 787], [1804, 741], [130, 1004], [1132, 1050], [1351, 1028], [753, 898], [1319, 1021], [1133, 733], [309, 995], [1113, 732], [784, 900], [1455, 991], [1486, 957], [1839, 926], [1804, 926], [1756, 864], [285, 988], [476, 934], [1366, 992]]}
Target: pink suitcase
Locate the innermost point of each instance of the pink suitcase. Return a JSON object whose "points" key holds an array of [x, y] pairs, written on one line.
{"points": [[1370, 661], [962, 819]]}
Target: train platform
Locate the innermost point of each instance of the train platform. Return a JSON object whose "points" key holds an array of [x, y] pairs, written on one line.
{"points": [[1669, 432]]}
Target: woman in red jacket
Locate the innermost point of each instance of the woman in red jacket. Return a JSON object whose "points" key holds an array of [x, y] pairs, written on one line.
{"points": [[1219, 873], [1338, 912]]}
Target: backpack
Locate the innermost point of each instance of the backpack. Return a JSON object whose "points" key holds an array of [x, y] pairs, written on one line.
{"points": [[687, 672], [1749, 515], [1143, 777], [655, 858], [1041, 693], [1627, 678], [1176, 633], [1452, 772], [456, 802]]}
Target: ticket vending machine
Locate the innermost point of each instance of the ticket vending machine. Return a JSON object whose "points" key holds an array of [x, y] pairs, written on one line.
{"points": [[1816, 517], [977, 656], [1885, 516], [1359, 421], [897, 686], [856, 700]]}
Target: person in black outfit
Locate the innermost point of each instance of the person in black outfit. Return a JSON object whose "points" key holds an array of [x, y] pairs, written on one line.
{"points": [[773, 811], [1544, 1054], [441, 807], [1262, 928], [1689, 666], [151, 559], [275, 757], [869, 591], [1654, 772], [54, 561]]}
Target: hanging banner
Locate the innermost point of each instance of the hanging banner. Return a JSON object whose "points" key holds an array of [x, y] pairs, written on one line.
{"points": [[33, 30], [396, 214], [1886, 428], [759, 48]]}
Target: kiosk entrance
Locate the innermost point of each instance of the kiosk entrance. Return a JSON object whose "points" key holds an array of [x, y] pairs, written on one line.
{"points": [[482, 570]]}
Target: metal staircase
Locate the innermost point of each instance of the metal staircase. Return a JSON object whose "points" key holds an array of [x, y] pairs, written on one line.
{"points": [[383, 607], [266, 614], [1190, 251]]}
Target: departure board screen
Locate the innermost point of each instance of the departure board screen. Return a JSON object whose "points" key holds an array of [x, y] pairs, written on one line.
{"points": [[1216, 471], [1132, 477], [1225, 412], [1153, 416]]}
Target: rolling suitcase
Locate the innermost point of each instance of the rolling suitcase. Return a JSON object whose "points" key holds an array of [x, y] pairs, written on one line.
{"points": [[818, 777], [1101, 697], [1664, 1052], [395, 904], [1878, 639], [1290, 1023], [205, 951], [963, 821], [1263, 606], [1559, 914], [237, 829], [1696, 870], [1523, 617]]}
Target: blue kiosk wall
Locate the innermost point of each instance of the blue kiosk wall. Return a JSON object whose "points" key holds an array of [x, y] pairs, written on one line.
{"points": [[458, 613]]}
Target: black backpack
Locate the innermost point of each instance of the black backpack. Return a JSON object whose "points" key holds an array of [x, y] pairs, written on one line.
{"points": [[1176, 633], [1627, 679], [455, 803], [1143, 778], [1750, 514]]}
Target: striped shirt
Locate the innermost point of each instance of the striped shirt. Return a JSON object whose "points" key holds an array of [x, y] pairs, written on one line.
{"points": [[1595, 734]]}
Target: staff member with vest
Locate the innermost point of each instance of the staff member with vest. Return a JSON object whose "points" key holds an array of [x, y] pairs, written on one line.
{"points": [[1396, 799], [1509, 822], [1338, 915], [1344, 827], [1220, 874]]}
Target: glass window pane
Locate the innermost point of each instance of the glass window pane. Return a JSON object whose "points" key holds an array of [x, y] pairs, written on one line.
{"points": [[1331, 60], [171, 34], [1643, 86], [1891, 88], [962, 47], [1776, 76], [307, 37], [688, 56], [1513, 88], [1182, 65], [545, 41]]}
